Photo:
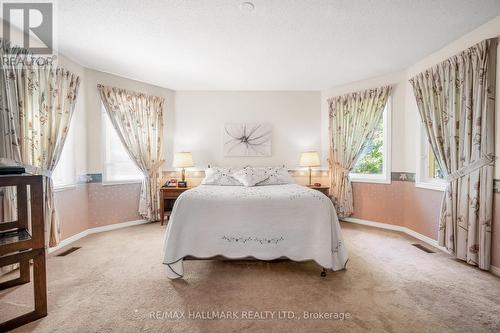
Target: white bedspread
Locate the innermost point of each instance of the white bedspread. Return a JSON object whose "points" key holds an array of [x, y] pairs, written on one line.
{"points": [[264, 222]]}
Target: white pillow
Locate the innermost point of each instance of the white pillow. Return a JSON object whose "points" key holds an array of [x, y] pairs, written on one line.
{"points": [[276, 176], [249, 176], [220, 176]]}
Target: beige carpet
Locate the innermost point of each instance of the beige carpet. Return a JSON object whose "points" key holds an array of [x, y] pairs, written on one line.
{"points": [[116, 280]]}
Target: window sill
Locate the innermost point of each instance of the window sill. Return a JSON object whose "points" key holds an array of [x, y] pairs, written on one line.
{"points": [[357, 178], [431, 186], [121, 182], [61, 188]]}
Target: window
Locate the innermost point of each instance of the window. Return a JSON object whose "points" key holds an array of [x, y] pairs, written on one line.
{"points": [[373, 165], [64, 174], [429, 174], [118, 167]]}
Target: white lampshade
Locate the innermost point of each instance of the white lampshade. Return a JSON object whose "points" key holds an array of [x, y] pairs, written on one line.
{"points": [[183, 160], [310, 159]]}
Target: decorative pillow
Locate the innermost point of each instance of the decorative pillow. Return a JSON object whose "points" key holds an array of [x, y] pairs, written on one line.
{"points": [[249, 176], [276, 176], [220, 176]]}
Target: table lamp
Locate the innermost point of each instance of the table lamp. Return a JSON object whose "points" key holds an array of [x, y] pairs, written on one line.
{"points": [[183, 160], [310, 159]]}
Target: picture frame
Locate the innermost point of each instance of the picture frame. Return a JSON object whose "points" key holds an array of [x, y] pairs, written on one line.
{"points": [[247, 139]]}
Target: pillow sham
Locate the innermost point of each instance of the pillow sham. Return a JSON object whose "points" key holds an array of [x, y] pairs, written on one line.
{"points": [[276, 176], [249, 176], [220, 176]]}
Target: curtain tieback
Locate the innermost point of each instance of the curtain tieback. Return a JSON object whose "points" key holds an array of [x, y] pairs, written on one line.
{"points": [[152, 173], [464, 171], [338, 166], [155, 169], [29, 168]]}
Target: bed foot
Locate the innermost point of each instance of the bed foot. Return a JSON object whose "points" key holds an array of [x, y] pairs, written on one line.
{"points": [[323, 272]]}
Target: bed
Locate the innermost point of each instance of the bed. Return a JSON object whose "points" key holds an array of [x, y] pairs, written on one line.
{"points": [[262, 222]]}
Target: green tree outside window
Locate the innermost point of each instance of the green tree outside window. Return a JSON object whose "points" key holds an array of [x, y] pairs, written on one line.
{"points": [[372, 157]]}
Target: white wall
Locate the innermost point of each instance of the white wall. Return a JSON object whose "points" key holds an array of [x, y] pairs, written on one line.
{"points": [[199, 118], [405, 116], [93, 113]]}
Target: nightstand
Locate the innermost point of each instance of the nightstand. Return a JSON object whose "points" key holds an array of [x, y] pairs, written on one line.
{"points": [[322, 189], [168, 195]]}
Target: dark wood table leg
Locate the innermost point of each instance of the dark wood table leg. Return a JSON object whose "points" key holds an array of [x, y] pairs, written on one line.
{"points": [[162, 207], [40, 285], [40, 296], [24, 271]]}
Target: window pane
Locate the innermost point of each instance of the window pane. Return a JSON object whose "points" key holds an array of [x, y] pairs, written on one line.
{"points": [[428, 174], [65, 172], [371, 160], [117, 164], [433, 167]]}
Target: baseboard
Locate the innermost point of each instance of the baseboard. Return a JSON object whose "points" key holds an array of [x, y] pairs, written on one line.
{"points": [[74, 238], [116, 226], [424, 239], [65, 242], [373, 224], [495, 270], [69, 240], [399, 228]]}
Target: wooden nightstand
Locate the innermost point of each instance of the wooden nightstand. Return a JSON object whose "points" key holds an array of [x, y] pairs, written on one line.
{"points": [[322, 189], [167, 199]]}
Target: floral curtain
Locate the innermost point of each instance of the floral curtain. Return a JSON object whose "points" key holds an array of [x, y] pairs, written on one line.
{"points": [[138, 120], [8, 148], [456, 102], [353, 118], [37, 104]]}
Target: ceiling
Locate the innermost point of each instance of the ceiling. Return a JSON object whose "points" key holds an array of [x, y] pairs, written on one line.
{"points": [[281, 45]]}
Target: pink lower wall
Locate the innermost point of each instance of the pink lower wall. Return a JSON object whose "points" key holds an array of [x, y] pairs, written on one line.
{"points": [[401, 203], [109, 204], [72, 208], [379, 202], [93, 205], [421, 209]]}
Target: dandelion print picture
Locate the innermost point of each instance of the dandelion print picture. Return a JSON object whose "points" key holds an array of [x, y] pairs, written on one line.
{"points": [[247, 139]]}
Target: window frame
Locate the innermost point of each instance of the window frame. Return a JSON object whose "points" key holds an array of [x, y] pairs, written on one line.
{"points": [[105, 177], [422, 179], [385, 176]]}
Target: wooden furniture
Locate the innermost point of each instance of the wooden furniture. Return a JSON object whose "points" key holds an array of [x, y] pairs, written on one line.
{"points": [[322, 189], [167, 199], [19, 245]]}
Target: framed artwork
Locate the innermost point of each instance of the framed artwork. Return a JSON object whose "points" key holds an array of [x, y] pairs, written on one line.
{"points": [[247, 139]]}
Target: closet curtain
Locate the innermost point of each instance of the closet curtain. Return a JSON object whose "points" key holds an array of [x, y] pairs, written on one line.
{"points": [[353, 119], [456, 102], [37, 103], [138, 120]]}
